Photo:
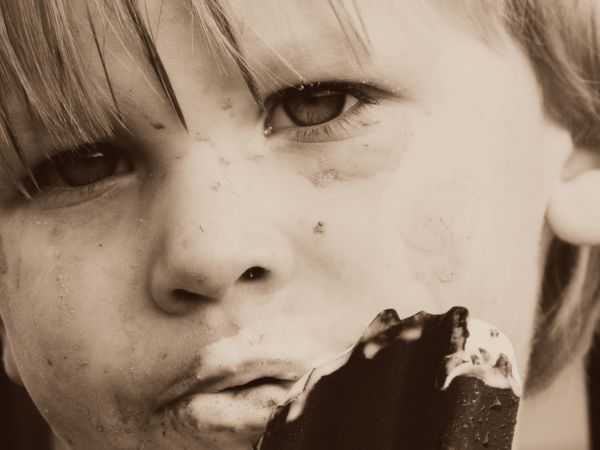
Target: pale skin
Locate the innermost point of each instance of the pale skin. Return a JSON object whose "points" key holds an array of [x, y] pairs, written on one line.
{"points": [[433, 196]]}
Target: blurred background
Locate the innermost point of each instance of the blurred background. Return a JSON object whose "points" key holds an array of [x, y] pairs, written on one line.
{"points": [[593, 381], [558, 420], [21, 426]]}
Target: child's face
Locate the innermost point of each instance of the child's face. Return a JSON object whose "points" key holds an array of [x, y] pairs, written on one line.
{"points": [[121, 294]]}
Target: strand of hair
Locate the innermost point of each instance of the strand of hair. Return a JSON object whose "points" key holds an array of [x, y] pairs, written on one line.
{"points": [[155, 60], [103, 62]]}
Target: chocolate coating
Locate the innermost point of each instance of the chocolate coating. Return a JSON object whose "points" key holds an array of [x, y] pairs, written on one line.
{"points": [[388, 395]]}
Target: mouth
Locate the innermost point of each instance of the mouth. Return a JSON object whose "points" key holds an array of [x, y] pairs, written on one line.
{"points": [[256, 383], [232, 401]]}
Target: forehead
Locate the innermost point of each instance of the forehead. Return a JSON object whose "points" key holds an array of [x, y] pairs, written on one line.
{"points": [[282, 41], [292, 41]]}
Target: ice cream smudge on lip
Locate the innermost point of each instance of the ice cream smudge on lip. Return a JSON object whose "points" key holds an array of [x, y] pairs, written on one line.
{"points": [[425, 382]]}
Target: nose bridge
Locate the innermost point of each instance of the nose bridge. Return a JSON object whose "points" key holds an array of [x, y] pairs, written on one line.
{"points": [[212, 237], [199, 188], [214, 188]]}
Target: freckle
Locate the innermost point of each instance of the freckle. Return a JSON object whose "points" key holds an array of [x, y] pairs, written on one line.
{"points": [[256, 157], [49, 361], [319, 228], [56, 232], [158, 125], [223, 161], [164, 356], [3, 265], [227, 104], [215, 186]]}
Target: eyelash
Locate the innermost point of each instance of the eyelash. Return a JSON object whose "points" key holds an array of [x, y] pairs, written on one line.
{"points": [[366, 95], [48, 196], [51, 197], [69, 196], [333, 129]]}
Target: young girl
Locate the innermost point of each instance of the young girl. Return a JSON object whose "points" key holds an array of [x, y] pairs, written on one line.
{"points": [[203, 199]]}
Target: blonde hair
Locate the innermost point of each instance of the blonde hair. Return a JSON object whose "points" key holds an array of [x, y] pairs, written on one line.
{"points": [[42, 67]]}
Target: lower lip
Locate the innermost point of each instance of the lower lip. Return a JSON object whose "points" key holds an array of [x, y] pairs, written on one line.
{"points": [[245, 411]]}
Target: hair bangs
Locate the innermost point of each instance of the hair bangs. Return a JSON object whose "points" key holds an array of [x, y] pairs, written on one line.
{"points": [[42, 68], [44, 71]]}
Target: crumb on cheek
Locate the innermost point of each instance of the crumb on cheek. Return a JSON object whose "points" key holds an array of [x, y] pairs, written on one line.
{"points": [[199, 137], [319, 228], [227, 104], [156, 124]]}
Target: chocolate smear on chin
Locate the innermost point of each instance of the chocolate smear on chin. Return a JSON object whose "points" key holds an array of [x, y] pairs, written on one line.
{"points": [[426, 382]]}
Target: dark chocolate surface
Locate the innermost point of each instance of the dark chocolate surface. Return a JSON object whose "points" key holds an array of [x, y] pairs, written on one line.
{"points": [[394, 400]]}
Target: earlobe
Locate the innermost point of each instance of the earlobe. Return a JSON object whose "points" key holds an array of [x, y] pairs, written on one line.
{"points": [[574, 205], [8, 358]]}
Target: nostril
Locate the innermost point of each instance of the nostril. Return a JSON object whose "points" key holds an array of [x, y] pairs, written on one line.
{"points": [[181, 301], [254, 273], [187, 296]]}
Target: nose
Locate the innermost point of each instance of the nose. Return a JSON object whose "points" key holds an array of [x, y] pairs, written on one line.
{"points": [[212, 246]]}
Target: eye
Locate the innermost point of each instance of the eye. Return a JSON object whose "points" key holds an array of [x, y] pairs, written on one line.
{"points": [[307, 107], [311, 105], [81, 166]]}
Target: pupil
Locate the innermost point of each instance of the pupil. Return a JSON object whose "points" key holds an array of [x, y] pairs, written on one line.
{"points": [[306, 108]]}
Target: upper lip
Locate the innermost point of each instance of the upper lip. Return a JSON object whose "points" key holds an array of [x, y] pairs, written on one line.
{"points": [[218, 379]]}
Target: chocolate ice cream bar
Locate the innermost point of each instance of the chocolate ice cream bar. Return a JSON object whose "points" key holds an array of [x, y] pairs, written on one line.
{"points": [[426, 382]]}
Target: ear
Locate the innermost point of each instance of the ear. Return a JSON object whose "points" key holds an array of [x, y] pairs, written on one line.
{"points": [[8, 358], [574, 205]]}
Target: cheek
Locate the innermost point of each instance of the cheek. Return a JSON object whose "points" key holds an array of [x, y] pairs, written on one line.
{"points": [[472, 222], [70, 309], [49, 316], [458, 222], [435, 230]]}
